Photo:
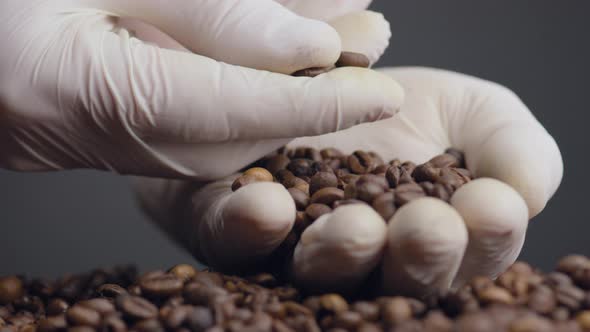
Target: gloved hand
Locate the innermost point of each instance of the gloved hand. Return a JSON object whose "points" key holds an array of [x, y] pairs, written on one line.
{"points": [[78, 92], [429, 245]]}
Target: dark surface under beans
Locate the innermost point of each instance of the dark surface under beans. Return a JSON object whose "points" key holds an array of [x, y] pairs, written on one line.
{"points": [[521, 299], [320, 181]]}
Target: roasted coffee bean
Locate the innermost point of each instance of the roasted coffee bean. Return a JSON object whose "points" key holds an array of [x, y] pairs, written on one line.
{"points": [[81, 329], [301, 167], [300, 198], [327, 196], [570, 296], [542, 300], [445, 160], [56, 306], [113, 323], [442, 191], [183, 271], [352, 59], [361, 162], [162, 286], [11, 288], [136, 307], [495, 294], [242, 181], [295, 182], [277, 163], [333, 303], [200, 319], [409, 166], [302, 221], [314, 211], [426, 172], [102, 306], [202, 294], [449, 176], [331, 153], [111, 290], [79, 315], [312, 72], [369, 327], [395, 311], [322, 180], [384, 204], [531, 323], [52, 324], [259, 173], [475, 322], [397, 175], [437, 321], [407, 192], [148, 325]]}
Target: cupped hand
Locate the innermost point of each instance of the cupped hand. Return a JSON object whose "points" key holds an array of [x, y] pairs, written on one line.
{"points": [[204, 90]]}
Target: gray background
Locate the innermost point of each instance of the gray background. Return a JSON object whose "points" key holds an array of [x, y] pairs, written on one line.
{"points": [[74, 221]]}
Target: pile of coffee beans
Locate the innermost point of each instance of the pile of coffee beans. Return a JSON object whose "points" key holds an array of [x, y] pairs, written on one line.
{"points": [[346, 59], [321, 181], [183, 299]]}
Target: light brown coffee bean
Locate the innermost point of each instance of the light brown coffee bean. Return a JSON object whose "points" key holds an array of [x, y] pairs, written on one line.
{"points": [[352, 59], [162, 286], [261, 174], [369, 311], [314, 211], [333, 303], [183, 271], [300, 198], [542, 300], [426, 172], [495, 294], [242, 181], [79, 315]]}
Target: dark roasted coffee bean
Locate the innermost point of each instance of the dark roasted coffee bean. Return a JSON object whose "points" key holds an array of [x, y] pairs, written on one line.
{"points": [[408, 192], [361, 162], [570, 296], [449, 176], [102, 306], [437, 321], [148, 325], [426, 172], [113, 323], [442, 192], [79, 315], [408, 166], [369, 311], [322, 180], [56, 306], [283, 175], [176, 316], [300, 198], [352, 59], [208, 278], [302, 221], [295, 182], [327, 196], [11, 288], [384, 204], [301, 167], [162, 286], [348, 320], [52, 324], [264, 279], [202, 294], [572, 263], [367, 191], [397, 175], [314, 211], [28, 303], [200, 319], [312, 72], [111, 290], [136, 307], [277, 163]]}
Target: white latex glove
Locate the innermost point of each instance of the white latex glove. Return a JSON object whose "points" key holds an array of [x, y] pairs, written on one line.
{"points": [[428, 246], [76, 91]]}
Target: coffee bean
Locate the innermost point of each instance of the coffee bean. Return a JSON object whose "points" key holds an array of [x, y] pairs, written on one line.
{"points": [[333, 303], [301, 167], [80, 329], [361, 162], [52, 324], [277, 163], [162, 286], [475, 322], [369, 327], [327, 196], [352, 59], [331, 153], [426, 172], [369, 311], [437, 321], [259, 173], [542, 300], [384, 205], [200, 319], [312, 72], [495, 294], [113, 323], [348, 320], [570, 296], [322, 180], [183, 271], [202, 294], [11, 288], [314, 211], [395, 311], [409, 166], [148, 325], [243, 181], [56, 306], [531, 324], [102, 306], [445, 160], [300, 198], [136, 307], [407, 192], [111, 290], [397, 175], [295, 182], [79, 315]]}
